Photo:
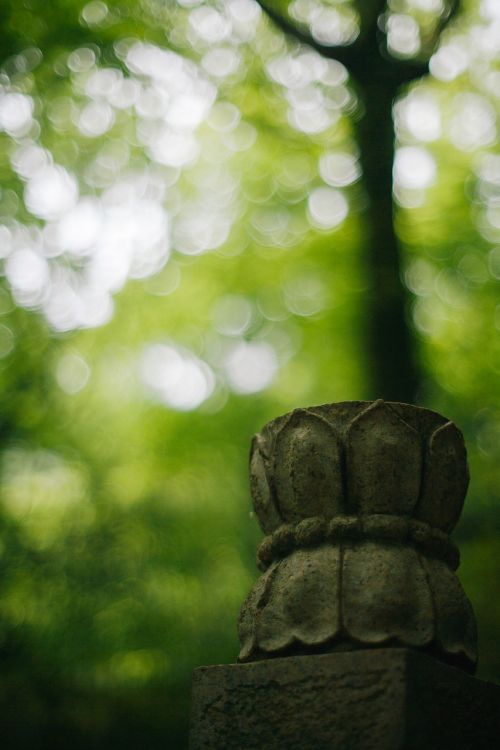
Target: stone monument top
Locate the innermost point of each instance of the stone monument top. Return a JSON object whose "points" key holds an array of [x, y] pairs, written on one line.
{"points": [[357, 500]]}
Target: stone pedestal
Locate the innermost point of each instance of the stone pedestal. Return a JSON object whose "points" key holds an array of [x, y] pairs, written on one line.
{"points": [[376, 699]]}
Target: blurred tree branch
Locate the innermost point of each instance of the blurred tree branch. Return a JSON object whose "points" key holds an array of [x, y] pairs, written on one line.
{"points": [[394, 373]]}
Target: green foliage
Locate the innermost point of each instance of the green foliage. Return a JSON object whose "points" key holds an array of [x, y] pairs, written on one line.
{"points": [[128, 541]]}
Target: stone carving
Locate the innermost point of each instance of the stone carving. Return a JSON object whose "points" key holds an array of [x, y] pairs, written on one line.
{"points": [[357, 500]]}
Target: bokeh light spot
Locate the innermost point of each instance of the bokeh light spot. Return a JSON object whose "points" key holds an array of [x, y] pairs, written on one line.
{"points": [[305, 295], [327, 207], [403, 35], [232, 315], [81, 59], [450, 60], [414, 168], [94, 13], [96, 118], [28, 274], [251, 366], [16, 113], [473, 123], [51, 192], [339, 168], [176, 377], [72, 373], [420, 115]]}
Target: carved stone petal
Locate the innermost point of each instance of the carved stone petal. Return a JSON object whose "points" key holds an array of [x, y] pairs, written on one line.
{"points": [[385, 596], [446, 479], [248, 613], [303, 603], [384, 462], [263, 501], [455, 621], [308, 473]]}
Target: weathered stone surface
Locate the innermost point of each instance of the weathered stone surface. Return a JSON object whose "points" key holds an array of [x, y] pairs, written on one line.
{"points": [[378, 699], [376, 582], [357, 500], [384, 462], [446, 478], [307, 455]]}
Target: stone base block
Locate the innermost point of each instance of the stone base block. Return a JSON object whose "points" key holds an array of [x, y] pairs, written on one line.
{"points": [[379, 699]]}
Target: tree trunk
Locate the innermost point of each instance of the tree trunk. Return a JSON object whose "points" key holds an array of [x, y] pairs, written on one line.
{"points": [[393, 373]]}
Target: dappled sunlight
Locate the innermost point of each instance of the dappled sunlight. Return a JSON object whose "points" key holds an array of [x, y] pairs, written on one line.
{"points": [[410, 27], [112, 222], [454, 311], [315, 89], [329, 23], [157, 179], [124, 231], [332, 26], [168, 188]]}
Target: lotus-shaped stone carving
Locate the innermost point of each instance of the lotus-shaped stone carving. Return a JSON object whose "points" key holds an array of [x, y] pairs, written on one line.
{"points": [[357, 500]]}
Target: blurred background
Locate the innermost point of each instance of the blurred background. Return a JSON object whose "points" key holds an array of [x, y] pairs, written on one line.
{"points": [[183, 242]]}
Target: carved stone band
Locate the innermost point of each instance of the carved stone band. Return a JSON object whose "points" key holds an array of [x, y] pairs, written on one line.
{"points": [[378, 527]]}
